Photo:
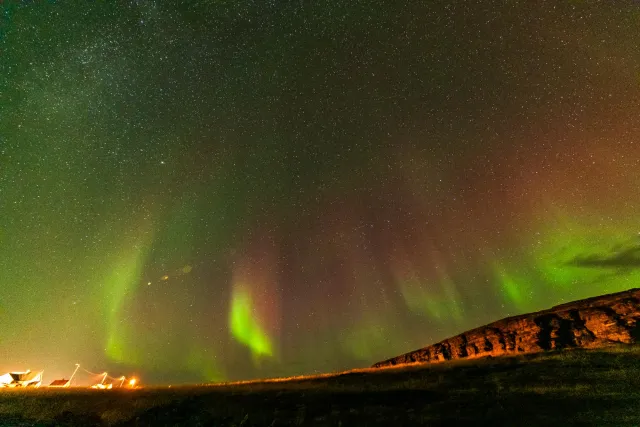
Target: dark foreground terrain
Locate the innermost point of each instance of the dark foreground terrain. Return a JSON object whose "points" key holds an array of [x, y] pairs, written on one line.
{"points": [[571, 388]]}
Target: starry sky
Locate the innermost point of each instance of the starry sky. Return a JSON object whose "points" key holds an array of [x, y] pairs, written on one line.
{"points": [[196, 191]]}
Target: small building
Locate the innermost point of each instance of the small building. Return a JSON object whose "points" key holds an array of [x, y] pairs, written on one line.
{"points": [[61, 383]]}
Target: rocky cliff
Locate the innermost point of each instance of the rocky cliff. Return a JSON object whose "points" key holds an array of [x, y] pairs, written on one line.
{"points": [[589, 323]]}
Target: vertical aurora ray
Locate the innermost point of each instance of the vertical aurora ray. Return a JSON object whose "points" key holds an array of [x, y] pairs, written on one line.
{"points": [[120, 285], [369, 322], [142, 333], [427, 288], [340, 254], [438, 301], [254, 313], [244, 324]]}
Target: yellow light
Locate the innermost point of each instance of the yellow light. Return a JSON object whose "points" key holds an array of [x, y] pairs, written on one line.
{"points": [[132, 382]]}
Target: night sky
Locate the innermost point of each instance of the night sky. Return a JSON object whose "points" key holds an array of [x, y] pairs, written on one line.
{"points": [[197, 191]]}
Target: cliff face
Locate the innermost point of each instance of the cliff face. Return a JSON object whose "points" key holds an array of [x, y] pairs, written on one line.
{"points": [[589, 323]]}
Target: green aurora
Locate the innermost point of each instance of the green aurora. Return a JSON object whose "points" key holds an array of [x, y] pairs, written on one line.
{"points": [[212, 191]]}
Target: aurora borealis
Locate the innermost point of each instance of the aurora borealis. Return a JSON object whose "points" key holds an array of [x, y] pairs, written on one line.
{"points": [[216, 190]]}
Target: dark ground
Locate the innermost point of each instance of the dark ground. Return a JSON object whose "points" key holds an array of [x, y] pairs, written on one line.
{"points": [[571, 388]]}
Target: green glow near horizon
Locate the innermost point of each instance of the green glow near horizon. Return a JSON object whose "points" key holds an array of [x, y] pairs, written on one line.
{"points": [[120, 283], [514, 289], [199, 362], [364, 342], [563, 240]]}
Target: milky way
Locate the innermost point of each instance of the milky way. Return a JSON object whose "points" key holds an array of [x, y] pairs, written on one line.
{"points": [[204, 191]]}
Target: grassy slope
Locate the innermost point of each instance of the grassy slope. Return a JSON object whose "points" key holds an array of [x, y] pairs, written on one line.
{"points": [[578, 387]]}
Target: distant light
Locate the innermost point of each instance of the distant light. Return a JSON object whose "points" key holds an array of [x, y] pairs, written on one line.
{"points": [[132, 382]]}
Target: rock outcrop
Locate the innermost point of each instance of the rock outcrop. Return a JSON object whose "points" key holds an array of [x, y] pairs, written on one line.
{"points": [[590, 323]]}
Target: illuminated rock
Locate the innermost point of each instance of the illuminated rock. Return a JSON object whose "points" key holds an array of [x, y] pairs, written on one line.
{"points": [[590, 323]]}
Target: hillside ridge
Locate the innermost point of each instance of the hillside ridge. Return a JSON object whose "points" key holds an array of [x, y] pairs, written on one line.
{"points": [[588, 323]]}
